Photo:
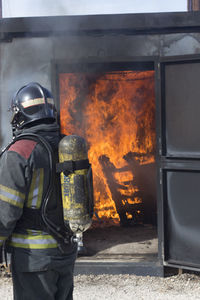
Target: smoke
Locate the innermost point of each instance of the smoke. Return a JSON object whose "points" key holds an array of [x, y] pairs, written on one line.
{"points": [[22, 61], [27, 59]]}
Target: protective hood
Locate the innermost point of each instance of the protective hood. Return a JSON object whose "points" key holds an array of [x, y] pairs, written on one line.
{"points": [[51, 132]]}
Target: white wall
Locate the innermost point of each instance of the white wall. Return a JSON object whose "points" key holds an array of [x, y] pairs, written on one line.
{"points": [[28, 8]]}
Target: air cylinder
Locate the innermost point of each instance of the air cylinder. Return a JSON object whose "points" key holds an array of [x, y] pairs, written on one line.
{"points": [[76, 183]]}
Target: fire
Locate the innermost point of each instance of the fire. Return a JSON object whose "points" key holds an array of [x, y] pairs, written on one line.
{"points": [[115, 113]]}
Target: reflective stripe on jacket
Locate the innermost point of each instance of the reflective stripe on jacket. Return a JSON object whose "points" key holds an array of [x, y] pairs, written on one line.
{"points": [[33, 240], [11, 196]]}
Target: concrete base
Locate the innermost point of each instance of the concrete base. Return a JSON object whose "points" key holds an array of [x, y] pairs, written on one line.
{"points": [[114, 268], [120, 250]]}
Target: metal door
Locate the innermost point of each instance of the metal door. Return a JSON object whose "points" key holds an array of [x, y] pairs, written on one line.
{"points": [[179, 161]]}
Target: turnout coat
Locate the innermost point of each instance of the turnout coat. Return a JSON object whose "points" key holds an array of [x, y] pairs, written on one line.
{"points": [[24, 179]]}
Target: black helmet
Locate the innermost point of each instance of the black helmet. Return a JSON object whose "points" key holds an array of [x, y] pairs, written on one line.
{"points": [[32, 103]]}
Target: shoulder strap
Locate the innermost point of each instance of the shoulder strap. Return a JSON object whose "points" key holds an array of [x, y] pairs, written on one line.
{"points": [[40, 217], [31, 219]]}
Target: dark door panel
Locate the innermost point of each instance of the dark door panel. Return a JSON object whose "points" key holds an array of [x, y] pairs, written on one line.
{"points": [[182, 108], [182, 221], [180, 161]]}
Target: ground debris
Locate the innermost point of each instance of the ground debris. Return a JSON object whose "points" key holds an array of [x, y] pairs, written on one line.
{"points": [[122, 287], [5, 271], [184, 286]]}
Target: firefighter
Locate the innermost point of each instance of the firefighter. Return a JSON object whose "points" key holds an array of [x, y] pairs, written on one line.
{"points": [[32, 230]]}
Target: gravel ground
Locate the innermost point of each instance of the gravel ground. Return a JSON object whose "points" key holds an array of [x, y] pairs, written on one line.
{"points": [[126, 287]]}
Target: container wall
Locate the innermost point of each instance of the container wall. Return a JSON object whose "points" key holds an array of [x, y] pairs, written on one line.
{"points": [[31, 59]]}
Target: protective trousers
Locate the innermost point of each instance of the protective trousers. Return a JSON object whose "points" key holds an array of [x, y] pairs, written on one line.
{"points": [[55, 283]]}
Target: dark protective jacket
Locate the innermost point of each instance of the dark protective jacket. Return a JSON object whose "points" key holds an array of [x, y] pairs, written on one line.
{"points": [[24, 177]]}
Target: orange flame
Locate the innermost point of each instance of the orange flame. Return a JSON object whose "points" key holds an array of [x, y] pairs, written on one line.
{"points": [[115, 113]]}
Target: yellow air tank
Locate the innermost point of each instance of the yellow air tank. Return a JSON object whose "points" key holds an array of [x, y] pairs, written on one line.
{"points": [[76, 183]]}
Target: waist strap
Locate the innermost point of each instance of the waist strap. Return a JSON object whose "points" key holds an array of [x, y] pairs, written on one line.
{"points": [[31, 219]]}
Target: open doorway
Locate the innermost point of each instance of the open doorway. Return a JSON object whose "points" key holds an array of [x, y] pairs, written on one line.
{"points": [[114, 110]]}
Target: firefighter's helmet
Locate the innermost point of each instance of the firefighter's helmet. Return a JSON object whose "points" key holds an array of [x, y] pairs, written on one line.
{"points": [[32, 103]]}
